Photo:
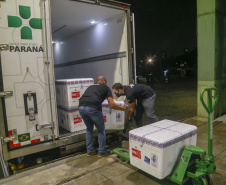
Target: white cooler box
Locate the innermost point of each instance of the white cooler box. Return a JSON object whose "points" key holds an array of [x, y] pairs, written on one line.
{"points": [[71, 120], [155, 148], [114, 119], [69, 91]]}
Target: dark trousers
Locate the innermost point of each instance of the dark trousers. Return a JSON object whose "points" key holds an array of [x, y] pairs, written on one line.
{"points": [[148, 106]]}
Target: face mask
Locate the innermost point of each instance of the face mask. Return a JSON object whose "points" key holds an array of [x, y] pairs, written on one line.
{"points": [[117, 94]]}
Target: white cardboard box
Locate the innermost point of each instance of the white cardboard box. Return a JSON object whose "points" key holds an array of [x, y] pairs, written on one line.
{"points": [[155, 148], [69, 91], [71, 120], [114, 119]]}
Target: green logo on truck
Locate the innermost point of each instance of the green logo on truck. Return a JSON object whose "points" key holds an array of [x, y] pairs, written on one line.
{"points": [[16, 22]]}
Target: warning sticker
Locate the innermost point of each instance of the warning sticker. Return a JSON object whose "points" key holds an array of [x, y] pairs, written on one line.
{"points": [[75, 94], [154, 160], [77, 120], [136, 153], [147, 160], [35, 141]]}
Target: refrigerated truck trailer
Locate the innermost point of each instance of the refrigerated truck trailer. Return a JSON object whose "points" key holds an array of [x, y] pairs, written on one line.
{"points": [[44, 40]]}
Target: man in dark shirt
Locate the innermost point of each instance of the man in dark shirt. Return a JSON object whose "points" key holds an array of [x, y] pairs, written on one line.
{"points": [[91, 112], [145, 97]]}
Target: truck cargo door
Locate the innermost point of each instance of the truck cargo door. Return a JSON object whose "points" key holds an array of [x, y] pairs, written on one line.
{"points": [[27, 79]]}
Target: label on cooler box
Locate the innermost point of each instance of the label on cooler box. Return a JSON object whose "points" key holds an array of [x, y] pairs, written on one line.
{"points": [[154, 160], [118, 117], [77, 120], [136, 153], [147, 160], [75, 94]]}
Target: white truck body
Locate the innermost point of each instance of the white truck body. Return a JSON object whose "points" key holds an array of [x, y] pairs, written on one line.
{"points": [[49, 40]]}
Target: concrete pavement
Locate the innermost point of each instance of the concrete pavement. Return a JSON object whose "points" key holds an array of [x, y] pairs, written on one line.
{"points": [[110, 170]]}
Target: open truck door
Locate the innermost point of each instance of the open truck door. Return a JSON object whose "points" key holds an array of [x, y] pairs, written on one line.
{"points": [[26, 77]]}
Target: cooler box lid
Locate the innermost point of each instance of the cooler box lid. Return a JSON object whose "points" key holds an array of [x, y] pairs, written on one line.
{"points": [[118, 102], [74, 81], [163, 133]]}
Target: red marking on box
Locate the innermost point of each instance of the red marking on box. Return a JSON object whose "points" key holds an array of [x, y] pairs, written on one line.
{"points": [[77, 120], [136, 153], [105, 118], [75, 94], [35, 141], [14, 145]]}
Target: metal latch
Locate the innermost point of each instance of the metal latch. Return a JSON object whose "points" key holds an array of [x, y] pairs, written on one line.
{"points": [[43, 126], [6, 93], [4, 47], [30, 110]]}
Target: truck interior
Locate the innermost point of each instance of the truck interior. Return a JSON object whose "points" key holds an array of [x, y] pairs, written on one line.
{"points": [[89, 40]]}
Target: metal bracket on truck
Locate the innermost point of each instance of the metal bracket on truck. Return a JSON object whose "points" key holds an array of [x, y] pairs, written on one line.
{"points": [[6, 93], [4, 47], [5, 140]]}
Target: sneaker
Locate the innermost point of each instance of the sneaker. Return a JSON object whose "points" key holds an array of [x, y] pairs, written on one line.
{"points": [[89, 154], [107, 152]]}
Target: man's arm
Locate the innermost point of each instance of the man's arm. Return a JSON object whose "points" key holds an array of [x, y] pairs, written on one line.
{"points": [[113, 105], [131, 109], [115, 97]]}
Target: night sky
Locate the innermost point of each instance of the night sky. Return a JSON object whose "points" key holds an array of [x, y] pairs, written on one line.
{"points": [[164, 26]]}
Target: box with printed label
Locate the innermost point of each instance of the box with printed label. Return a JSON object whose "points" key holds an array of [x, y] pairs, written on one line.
{"points": [[71, 120], [155, 148], [69, 91], [114, 119]]}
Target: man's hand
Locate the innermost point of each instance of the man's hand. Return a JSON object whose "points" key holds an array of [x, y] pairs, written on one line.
{"points": [[131, 109], [113, 105], [123, 107]]}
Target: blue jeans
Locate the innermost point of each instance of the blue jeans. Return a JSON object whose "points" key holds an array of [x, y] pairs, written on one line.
{"points": [[93, 117]]}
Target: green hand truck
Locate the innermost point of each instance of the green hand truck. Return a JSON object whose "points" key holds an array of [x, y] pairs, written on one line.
{"points": [[192, 163]]}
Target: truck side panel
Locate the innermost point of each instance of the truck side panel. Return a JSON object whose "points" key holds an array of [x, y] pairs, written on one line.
{"points": [[26, 73]]}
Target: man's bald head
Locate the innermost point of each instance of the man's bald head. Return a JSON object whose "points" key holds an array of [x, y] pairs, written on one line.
{"points": [[102, 79]]}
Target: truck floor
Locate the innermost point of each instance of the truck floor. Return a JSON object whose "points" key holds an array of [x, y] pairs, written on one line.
{"points": [[110, 170]]}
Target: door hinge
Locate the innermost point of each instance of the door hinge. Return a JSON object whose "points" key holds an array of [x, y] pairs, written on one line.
{"points": [[6, 93], [7, 139], [131, 50], [4, 47], [11, 138]]}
